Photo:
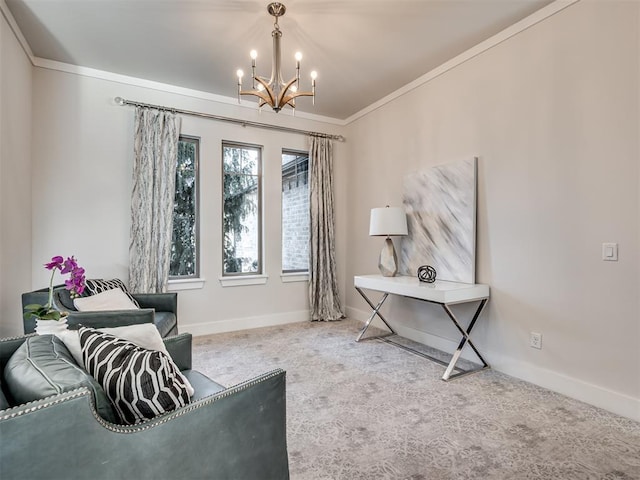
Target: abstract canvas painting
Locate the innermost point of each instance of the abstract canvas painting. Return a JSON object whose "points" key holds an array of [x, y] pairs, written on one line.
{"points": [[441, 217]]}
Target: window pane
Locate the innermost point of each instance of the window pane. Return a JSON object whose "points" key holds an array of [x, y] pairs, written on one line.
{"points": [[241, 160], [241, 209], [183, 260], [295, 212]]}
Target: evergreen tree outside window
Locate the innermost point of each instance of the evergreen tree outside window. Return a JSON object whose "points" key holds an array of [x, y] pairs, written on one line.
{"points": [[184, 246], [295, 212], [241, 218]]}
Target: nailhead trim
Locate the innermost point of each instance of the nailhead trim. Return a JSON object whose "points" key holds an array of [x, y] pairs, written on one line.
{"points": [[36, 405], [20, 410], [19, 337]]}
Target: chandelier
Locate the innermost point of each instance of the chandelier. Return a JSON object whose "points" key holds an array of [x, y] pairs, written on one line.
{"points": [[274, 91]]}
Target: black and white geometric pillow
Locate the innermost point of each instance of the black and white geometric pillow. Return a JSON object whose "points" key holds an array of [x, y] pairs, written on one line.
{"points": [[98, 285], [140, 383]]}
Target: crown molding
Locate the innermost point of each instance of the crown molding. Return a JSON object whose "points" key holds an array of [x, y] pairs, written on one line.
{"points": [[168, 88], [6, 13], [140, 82]]}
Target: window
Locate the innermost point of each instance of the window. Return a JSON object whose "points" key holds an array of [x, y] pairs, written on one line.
{"points": [[295, 212], [241, 216], [184, 245]]}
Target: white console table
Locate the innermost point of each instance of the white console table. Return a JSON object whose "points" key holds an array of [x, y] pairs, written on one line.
{"points": [[440, 292]]}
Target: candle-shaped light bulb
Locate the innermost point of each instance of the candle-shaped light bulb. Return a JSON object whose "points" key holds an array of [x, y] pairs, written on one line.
{"points": [[240, 73], [254, 55], [298, 57], [314, 75], [294, 89]]}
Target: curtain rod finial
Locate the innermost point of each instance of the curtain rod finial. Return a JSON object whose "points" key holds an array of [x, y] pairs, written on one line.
{"points": [[119, 100]]}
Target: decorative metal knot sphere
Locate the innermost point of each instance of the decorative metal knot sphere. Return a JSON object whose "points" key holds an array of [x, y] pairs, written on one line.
{"points": [[426, 273]]}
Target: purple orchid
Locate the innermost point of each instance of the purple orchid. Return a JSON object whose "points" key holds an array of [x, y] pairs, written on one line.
{"points": [[76, 281], [69, 265], [55, 263], [75, 284]]}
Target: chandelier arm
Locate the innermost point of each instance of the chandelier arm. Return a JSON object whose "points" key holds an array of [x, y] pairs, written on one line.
{"points": [[289, 98], [269, 96], [286, 96], [285, 89], [263, 96]]}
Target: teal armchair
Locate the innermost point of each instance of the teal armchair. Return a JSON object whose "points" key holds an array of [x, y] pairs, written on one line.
{"points": [[224, 433], [158, 308]]}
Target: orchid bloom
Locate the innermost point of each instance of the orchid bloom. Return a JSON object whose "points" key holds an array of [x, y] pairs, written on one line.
{"points": [[75, 283], [69, 265], [55, 263]]}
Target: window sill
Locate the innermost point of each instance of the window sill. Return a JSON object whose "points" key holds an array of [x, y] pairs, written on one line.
{"points": [[294, 277], [243, 280], [185, 284]]}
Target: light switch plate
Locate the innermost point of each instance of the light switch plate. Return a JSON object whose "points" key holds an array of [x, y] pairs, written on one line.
{"points": [[610, 252]]}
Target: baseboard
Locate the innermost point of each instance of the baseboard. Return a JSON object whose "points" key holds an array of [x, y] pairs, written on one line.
{"points": [[595, 395], [612, 401], [244, 323]]}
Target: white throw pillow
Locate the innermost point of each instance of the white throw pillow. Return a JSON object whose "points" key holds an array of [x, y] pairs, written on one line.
{"points": [[144, 335], [114, 299]]}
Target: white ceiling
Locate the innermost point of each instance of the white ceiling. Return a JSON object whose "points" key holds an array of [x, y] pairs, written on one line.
{"points": [[363, 50]]}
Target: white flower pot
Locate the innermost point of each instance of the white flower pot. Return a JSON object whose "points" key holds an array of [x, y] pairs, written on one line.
{"points": [[51, 327]]}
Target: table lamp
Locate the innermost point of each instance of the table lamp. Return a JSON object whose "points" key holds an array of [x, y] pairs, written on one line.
{"points": [[388, 221]]}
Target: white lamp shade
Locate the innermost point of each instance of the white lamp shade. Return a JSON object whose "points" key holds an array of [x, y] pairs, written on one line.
{"points": [[388, 221]]}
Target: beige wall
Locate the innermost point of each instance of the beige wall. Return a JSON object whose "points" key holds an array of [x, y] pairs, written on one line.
{"points": [[83, 157], [552, 114], [15, 179]]}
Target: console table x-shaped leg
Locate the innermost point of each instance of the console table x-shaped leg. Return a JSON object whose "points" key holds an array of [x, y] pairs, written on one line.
{"points": [[451, 366]]}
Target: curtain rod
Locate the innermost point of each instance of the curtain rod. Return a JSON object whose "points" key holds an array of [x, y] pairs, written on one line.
{"points": [[245, 123]]}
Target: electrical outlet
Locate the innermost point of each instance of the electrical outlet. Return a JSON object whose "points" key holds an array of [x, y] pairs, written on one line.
{"points": [[535, 340]]}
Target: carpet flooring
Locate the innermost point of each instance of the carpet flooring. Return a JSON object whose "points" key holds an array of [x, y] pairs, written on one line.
{"points": [[370, 410]]}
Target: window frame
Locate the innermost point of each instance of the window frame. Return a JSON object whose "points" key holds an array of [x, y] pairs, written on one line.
{"points": [[196, 275], [296, 272], [260, 270]]}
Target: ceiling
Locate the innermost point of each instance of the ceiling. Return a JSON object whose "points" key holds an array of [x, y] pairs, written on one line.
{"points": [[363, 50]]}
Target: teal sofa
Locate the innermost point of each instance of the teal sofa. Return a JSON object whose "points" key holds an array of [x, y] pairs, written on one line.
{"points": [[224, 433]]}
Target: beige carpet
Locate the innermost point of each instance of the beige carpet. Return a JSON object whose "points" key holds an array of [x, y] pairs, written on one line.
{"points": [[370, 410]]}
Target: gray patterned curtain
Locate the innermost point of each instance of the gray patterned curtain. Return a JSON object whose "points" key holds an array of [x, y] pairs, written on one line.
{"points": [[323, 284], [154, 176]]}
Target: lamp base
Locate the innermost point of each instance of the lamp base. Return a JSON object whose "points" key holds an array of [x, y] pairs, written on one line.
{"points": [[388, 262]]}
